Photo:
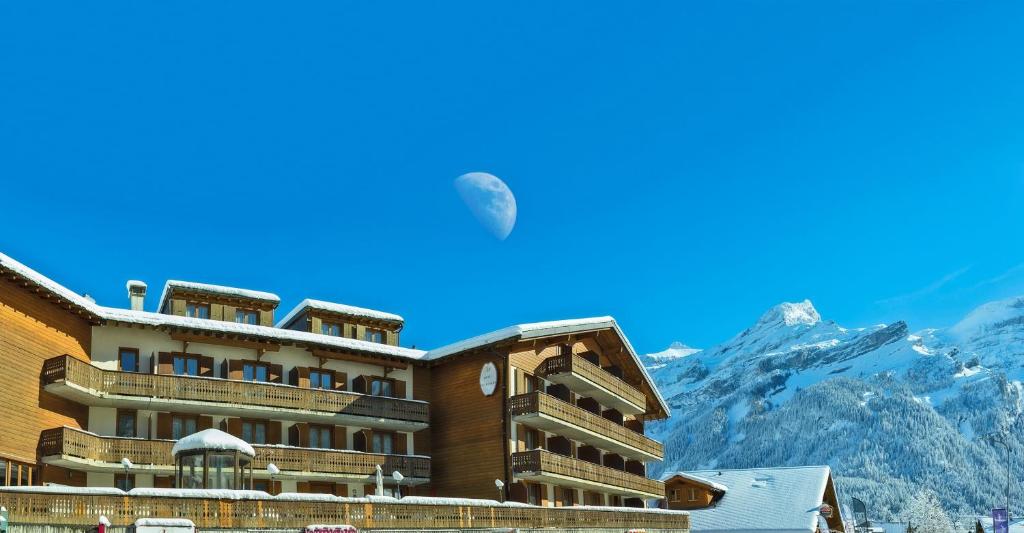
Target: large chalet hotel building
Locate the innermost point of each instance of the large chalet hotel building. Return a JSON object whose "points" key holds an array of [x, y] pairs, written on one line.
{"points": [[550, 414]]}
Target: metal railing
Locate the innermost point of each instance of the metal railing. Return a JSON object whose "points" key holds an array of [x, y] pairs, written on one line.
{"points": [[76, 443], [543, 461], [190, 388], [576, 364], [542, 403], [85, 509]]}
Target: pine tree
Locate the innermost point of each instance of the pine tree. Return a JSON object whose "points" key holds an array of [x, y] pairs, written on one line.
{"points": [[926, 514]]}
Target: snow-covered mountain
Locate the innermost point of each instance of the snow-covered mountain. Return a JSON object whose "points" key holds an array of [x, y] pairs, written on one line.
{"points": [[888, 409]]}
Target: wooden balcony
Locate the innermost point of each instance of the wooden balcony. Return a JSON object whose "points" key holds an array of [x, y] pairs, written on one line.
{"points": [[84, 383], [543, 411], [542, 465], [588, 379], [81, 450], [282, 512]]}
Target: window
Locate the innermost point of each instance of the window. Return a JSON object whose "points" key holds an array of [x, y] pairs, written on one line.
{"points": [[673, 495], [533, 493], [186, 365], [693, 494], [247, 316], [255, 372], [354, 332], [328, 328], [381, 387], [373, 335], [197, 310], [126, 424], [383, 442], [321, 379], [17, 474], [254, 432], [124, 482], [128, 359], [321, 436], [183, 426], [568, 497], [529, 383], [530, 439]]}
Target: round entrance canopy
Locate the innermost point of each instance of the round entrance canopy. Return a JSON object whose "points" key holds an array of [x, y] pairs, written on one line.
{"points": [[213, 440]]}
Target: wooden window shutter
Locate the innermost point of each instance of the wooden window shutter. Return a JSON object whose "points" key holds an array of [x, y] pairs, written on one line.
{"points": [[274, 433], [206, 366], [400, 444], [340, 381], [362, 440], [399, 389], [298, 434], [293, 376], [521, 438], [520, 382], [165, 363], [204, 422], [302, 486], [369, 490], [301, 376], [558, 496], [163, 426], [235, 427], [517, 492], [361, 384], [163, 482], [340, 437], [276, 372], [234, 369]]}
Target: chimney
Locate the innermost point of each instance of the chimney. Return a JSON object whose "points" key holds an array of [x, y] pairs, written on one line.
{"points": [[136, 294]]}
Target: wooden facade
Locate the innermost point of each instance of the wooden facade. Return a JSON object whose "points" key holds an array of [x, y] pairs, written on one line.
{"points": [[32, 330]]}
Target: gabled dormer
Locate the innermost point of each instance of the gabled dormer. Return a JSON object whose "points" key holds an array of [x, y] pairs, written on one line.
{"points": [[217, 302], [340, 320]]}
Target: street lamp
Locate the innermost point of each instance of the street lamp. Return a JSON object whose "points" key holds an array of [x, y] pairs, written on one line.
{"points": [[501, 489], [398, 482], [127, 466], [273, 470]]}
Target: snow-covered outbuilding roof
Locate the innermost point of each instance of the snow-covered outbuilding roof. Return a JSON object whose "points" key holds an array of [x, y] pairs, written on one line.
{"points": [[212, 439], [217, 290], [342, 309], [696, 479], [762, 500], [535, 330]]}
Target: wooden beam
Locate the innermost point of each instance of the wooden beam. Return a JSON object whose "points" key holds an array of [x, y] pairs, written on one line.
{"points": [[210, 339], [355, 358]]}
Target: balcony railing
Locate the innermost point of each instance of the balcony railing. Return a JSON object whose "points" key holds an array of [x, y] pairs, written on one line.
{"points": [[83, 510], [569, 363], [73, 443], [199, 389], [609, 434], [545, 462]]}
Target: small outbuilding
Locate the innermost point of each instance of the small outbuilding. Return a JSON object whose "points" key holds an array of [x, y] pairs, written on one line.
{"points": [[213, 459], [756, 500]]}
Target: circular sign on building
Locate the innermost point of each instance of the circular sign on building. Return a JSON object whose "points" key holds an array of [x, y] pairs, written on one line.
{"points": [[488, 379]]}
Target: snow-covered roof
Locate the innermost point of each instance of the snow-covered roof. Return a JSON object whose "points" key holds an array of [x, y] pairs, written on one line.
{"points": [[547, 329], [217, 326], [762, 500], [696, 479], [212, 439], [220, 290], [330, 307]]}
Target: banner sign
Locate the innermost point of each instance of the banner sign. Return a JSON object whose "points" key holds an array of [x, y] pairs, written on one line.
{"points": [[1000, 523]]}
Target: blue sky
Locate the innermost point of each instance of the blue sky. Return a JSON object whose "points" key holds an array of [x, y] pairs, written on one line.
{"points": [[682, 166]]}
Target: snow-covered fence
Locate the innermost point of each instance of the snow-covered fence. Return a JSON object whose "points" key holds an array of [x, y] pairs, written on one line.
{"points": [[237, 510]]}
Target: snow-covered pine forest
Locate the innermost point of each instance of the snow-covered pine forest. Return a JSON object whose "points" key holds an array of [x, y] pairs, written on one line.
{"points": [[891, 410]]}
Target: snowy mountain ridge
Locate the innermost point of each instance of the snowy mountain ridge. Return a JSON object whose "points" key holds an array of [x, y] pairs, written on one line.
{"points": [[888, 409]]}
